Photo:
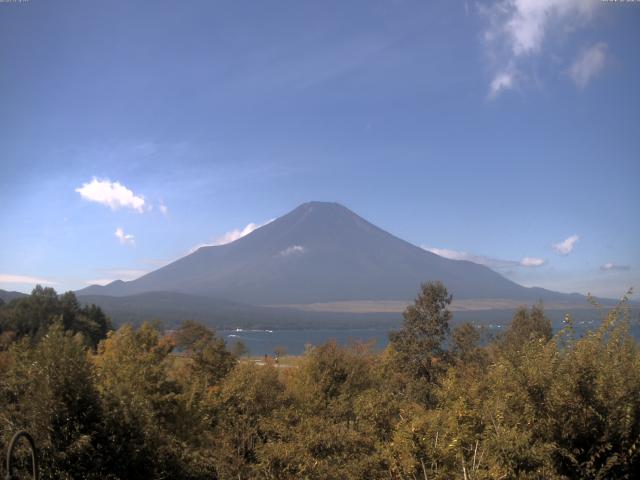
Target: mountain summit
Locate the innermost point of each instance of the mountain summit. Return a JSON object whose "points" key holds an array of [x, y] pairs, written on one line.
{"points": [[320, 252]]}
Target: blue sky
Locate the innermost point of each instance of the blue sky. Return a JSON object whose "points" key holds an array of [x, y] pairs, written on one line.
{"points": [[491, 131]]}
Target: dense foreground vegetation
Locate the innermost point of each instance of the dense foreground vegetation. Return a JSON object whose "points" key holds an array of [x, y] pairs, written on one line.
{"points": [[139, 403]]}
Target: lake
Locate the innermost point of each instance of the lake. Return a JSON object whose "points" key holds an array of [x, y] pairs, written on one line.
{"points": [[264, 342]]}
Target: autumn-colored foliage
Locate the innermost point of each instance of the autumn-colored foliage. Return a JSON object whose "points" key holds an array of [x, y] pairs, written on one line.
{"points": [[435, 404]]}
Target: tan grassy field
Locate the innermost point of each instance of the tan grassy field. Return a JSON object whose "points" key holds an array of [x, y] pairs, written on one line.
{"points": [[396, 306]]}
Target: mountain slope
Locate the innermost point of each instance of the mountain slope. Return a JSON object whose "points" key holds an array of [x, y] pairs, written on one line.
{"points": [[7, 296], [320, 252], [172, 308]]}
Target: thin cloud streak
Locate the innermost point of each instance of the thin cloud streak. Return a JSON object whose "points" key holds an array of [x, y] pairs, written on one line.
{"points": [[292, 250], [100, 281], [128, 274], [117, 274], [490, 262], [588, 64], [610, 266], [531, 262], [10, 278]]}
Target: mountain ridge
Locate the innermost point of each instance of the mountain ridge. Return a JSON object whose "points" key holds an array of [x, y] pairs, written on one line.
{"points": [[321, 252], [7, 296]]}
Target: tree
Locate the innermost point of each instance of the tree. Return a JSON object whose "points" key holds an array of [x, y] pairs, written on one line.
{"points": [[418, 346], [90, 320], [209, 358], [32, 316], [526, 326], [566, 409], [93, 324], [327, 425], [49, 390], [465, 344], [247, 395], [192, 336], [141, 402], [239, 348], [329, 376]]}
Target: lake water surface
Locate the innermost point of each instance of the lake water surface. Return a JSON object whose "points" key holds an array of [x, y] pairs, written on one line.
{"points": [[264, 342]]}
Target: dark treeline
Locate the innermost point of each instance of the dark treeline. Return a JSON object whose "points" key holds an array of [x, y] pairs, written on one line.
{"points": [[435, 404]]}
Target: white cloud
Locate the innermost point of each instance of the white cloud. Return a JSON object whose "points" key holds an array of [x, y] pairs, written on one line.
{"points": [[111, 194], [588, 64], [614, 266], [293, 249], [502, 81], [235, 234], [484, 260], [9, 278], [451, 254], [125, 238], [565, 247], [99, 281], [163, 209], [528, 21], [517, 30], [532, 262], [231, 236]]}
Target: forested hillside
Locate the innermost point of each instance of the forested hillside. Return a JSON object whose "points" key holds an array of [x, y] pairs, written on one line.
{"points": [[435, 404]]}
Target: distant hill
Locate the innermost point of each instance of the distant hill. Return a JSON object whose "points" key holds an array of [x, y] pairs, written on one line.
{"points": [[172, 308], [321, 252], [7, 296]]}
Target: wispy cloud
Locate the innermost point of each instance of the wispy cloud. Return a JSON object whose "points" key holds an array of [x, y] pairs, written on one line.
{"points": [[125, 274], [163, 208], [531, 262], [124, 238], [565, 247], [614, 266], [588, 64], [231, 236], [293, 69], [9, 278], [490, 262], [128, 273], [99, 281], [292, 250], [453, 254], [502, 81], [111, 194], [517, 29], [237, 233]]}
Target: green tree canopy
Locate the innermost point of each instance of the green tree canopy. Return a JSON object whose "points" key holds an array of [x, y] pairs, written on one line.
{"points": [[418, 346], [33, 315]]}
